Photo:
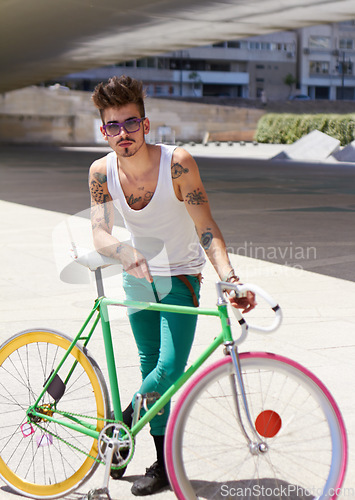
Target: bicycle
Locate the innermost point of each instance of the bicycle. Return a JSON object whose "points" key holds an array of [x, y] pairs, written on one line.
{"points": [[246, 425]]}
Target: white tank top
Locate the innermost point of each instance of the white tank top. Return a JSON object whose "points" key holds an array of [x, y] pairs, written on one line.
{"points": [[163, 230]]}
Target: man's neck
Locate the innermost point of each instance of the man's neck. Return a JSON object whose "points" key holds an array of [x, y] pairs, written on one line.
{"points": [[143, 161]]}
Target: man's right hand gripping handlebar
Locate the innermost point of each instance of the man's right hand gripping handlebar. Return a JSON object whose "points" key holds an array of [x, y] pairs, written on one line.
{"points": [[246, 302]]}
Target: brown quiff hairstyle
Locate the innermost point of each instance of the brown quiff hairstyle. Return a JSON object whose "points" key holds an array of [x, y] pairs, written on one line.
{"points": [[117, 92]]}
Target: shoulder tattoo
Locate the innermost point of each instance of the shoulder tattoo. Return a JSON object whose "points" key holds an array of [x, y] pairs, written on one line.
{"points": [[177, 170], [101, 178], [196, 197]]}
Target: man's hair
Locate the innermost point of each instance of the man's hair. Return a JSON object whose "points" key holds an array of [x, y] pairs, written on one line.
{"points": [[117, 92]]}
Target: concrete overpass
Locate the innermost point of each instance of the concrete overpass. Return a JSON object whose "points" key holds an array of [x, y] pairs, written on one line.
{"points": [[44, 39]]}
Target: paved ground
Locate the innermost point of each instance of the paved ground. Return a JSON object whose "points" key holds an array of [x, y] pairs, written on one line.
{"points": [[298, 214], [319, 314]]}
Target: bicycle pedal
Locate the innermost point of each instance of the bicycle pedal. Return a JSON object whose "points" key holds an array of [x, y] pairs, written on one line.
{"points": [[149, 398]]}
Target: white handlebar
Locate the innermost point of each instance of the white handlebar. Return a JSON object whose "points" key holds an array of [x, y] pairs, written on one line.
{"points": [[240, 291]]}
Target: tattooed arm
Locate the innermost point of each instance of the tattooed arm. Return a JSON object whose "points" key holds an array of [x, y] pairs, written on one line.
{"points": [[101, 209], [102, 218], [191, 190]]}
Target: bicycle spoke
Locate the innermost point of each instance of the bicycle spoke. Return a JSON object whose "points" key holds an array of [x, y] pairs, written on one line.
{"points": [[207, 450], [41, 452]]}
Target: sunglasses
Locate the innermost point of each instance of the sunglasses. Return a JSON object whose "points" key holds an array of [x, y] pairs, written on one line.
{"points": [[131, 125]]}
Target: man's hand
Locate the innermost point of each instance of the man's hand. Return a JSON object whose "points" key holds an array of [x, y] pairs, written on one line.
{"points": [[133, 262], [246, 303]]}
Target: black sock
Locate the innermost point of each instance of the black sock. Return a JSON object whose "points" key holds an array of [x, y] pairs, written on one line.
{"points": [[159, 446], [127, 415]]}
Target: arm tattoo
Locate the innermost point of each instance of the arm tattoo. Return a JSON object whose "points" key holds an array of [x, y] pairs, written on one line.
{"points": [[99, 201], [97, 217], [177, 170], [101, 178], [131, 200], [196, 198], [97, 192], [206, 239]]}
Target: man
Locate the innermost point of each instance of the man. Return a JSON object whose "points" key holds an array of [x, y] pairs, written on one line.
{"points": [[160, 195]]}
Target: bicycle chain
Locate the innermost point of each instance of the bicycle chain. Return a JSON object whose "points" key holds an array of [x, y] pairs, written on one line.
{"points": [[96, 459]]}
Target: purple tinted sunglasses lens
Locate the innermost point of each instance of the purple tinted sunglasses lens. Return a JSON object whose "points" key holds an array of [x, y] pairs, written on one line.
{"points": [[130, 126]]}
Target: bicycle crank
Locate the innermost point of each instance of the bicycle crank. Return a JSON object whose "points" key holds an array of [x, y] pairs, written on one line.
{"points": [[116, 445]]}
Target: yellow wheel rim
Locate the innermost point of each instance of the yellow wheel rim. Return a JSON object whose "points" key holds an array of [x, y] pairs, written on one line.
{"points": [[57, 489]]}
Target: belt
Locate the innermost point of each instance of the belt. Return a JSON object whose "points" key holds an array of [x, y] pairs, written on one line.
{"points": [[184, 279]]}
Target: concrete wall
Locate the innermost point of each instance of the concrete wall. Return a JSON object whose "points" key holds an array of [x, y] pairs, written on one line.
{"points": [[60, 116], [191, 121]]}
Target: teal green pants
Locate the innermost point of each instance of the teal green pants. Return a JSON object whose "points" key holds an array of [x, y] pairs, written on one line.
{"points": [[163, 339]]}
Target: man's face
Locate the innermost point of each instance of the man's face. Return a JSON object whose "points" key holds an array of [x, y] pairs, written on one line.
{"points": [[126, 143]]}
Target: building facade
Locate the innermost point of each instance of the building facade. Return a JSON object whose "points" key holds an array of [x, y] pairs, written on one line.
{"points": [[315, 61], [326, 57], [240, 68]]}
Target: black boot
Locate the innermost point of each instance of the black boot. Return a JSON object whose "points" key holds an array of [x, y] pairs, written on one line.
{"points": [[127, 415], [155, 477]]}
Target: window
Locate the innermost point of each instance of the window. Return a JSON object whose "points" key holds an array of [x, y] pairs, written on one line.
{"points": [[158, 90], [254, 45], [163, 63], [346, 24], [347, 93], [345, 67], [281, 46], [237, 44], [346, 43], [260, 66], [142, 63], [219, 66], [319, 42], [319, 67], [321, 92], [174, 64], [150, 62]]}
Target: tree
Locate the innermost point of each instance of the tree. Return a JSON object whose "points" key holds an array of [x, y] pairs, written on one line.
{"points": [[196, 79], [290, 80]]}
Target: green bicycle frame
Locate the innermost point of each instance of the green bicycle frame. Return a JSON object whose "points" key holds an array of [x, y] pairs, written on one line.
{"points": [[101, 307]]}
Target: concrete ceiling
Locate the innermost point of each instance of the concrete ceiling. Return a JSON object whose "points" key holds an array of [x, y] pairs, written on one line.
{"points": [[45, 39]]}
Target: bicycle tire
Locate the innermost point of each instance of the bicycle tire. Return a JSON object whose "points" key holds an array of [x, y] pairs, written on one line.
{"points": [[207, 455], [46, 463]]}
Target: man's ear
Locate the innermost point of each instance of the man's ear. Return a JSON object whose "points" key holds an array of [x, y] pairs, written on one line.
{"points": [[102, 130], [146, 126]]}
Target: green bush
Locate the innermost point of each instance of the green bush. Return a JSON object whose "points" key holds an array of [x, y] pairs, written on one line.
{"points": [[287, 128]]}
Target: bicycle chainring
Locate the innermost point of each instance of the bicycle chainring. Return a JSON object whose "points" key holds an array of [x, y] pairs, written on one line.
{"points": [[116, 434]]}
